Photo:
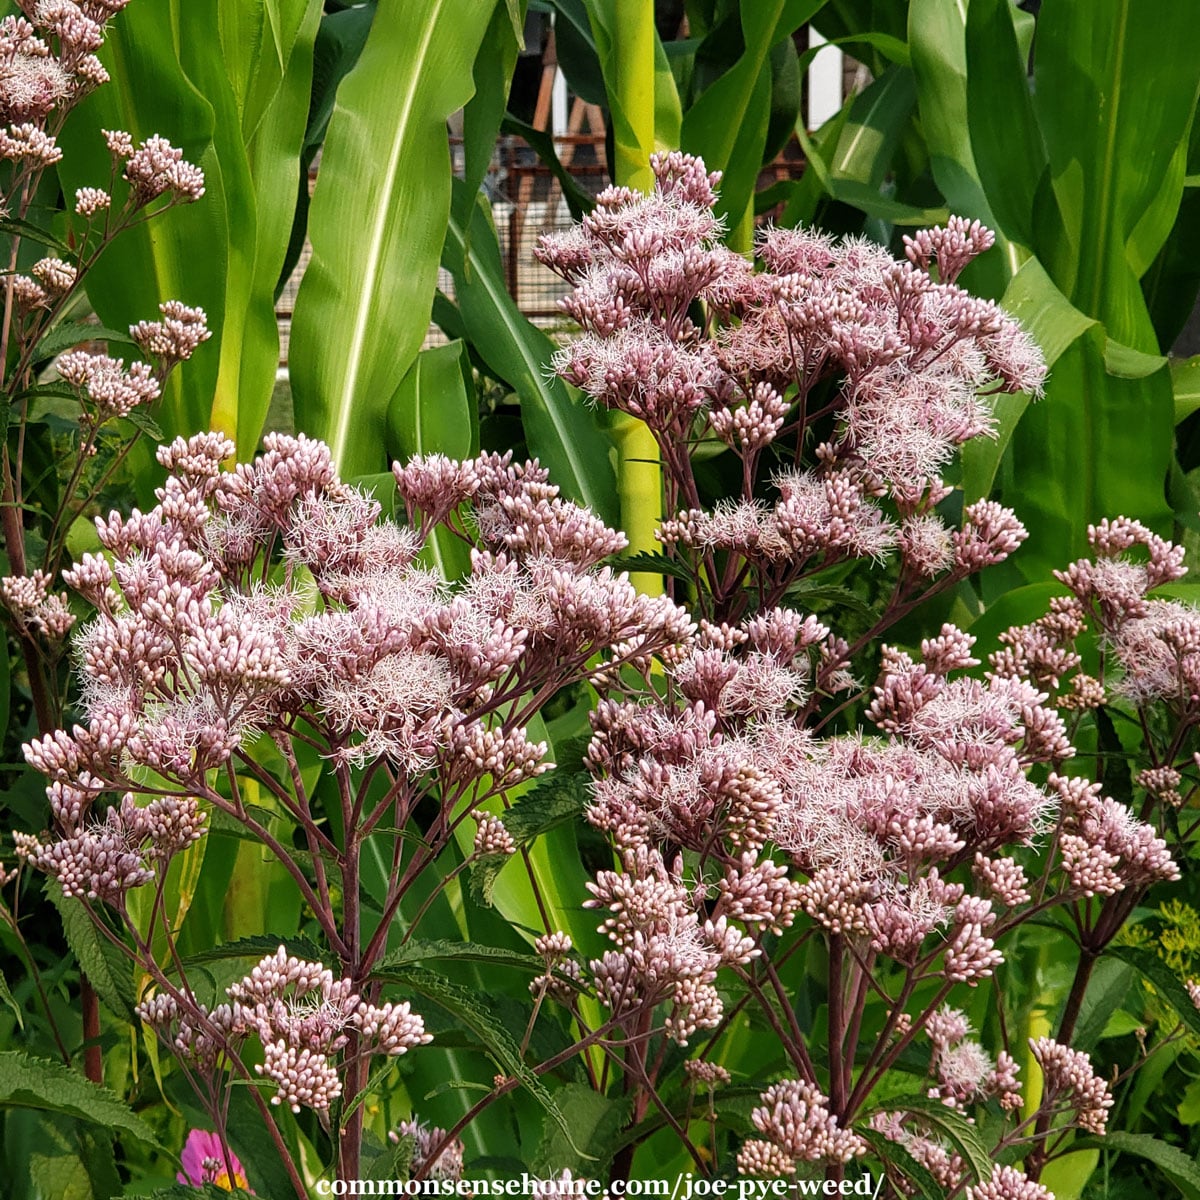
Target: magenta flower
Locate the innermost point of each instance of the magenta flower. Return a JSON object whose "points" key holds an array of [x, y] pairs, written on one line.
{"points": [[204, 1162]]}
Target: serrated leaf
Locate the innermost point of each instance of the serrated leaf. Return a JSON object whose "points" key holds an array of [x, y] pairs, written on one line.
{"points": [[595, 1121], [109, 973], [27, 1082], [482, 876], [259, 946], [69, 334], [1165, 982], [950, 1124], [59, 1157], [35, 233], [394, 1162], [827, 593], [650, 563], [894, 1154], [560, 798], [421, 950], [455, 1085], [1181, 1169], [187, 1191], [142, 420]]}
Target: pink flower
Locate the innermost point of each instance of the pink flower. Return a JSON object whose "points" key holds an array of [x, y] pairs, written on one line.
{"points": [[204, 1161]]}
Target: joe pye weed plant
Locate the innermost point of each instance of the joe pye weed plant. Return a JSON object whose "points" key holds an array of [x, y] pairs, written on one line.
{"points": [[813, 847]]}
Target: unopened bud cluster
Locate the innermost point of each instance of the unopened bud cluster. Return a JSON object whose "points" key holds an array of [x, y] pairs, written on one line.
{"points": [[302, 1017]]}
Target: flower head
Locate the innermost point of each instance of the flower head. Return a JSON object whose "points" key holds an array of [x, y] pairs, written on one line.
{"points": [[207, 1161]]}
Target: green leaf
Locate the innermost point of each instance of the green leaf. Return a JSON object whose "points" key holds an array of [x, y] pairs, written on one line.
{"points": [[16, 226], [417, 950], [482, 876], [1185, 382], [1097, 445], [187, 1191], [952, 1125], [1116, 149], [1066, 1177], [578, 200], [878, 116], [1107, 991], [10, 1001], [654, 564], [558, 799], [852, 154], [377, 223], [5, 681], [1054, 323], [27, 1082], [223, 69], [1180, 1168], [395, 1162], [108, 971], [727, 125], [1188, 1109], [1171, 283], [435, 410], [274, 125], [1164, 981], [471, 1010], [259, 946], [1124, 362], [1005, 139], [484, 113], [66, 335], [595, 1121], [184, 253], [896, 1155], [339, 44], [560, 430], [577, 54], [142, 420], [643, 102], [58, 1157], [937, 41]]}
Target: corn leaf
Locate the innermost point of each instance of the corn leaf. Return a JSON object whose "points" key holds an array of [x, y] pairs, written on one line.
{"points": [[1117, 149], [183, 254], [727, 124], [560, 430], [378, 221]]}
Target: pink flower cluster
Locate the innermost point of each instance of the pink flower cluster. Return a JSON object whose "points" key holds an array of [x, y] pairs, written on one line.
{"points": [[897, 359], [302, 1016], [47, 58], [193, 649], [842, 382]]}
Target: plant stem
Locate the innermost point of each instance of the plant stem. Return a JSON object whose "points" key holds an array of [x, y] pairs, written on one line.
{"points": [[1066, 1028], [639, 469]]}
